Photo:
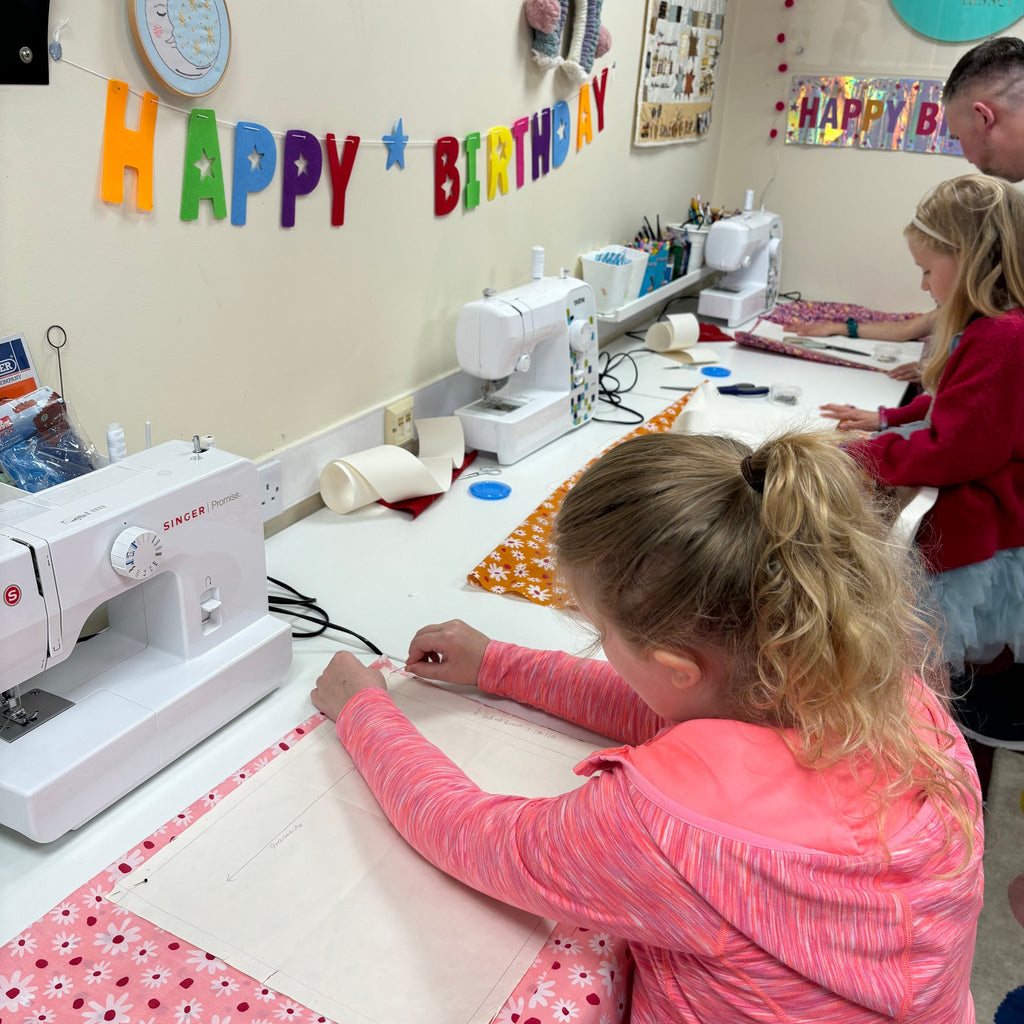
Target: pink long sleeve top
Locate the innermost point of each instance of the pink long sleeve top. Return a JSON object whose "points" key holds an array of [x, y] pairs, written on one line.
{"points": [[749, 888]]}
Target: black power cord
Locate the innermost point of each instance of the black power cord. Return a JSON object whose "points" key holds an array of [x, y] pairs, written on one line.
{"points": [[291, 605], [611, 389]]}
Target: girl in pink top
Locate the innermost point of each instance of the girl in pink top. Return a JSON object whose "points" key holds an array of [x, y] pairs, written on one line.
{"points": [[791, 828]]}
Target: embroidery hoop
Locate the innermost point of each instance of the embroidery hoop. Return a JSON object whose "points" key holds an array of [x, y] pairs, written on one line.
{"points": [[209, 36]]}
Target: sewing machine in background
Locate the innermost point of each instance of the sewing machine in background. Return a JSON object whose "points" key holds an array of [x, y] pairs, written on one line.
{"points": [[535, 349], [168, 543], [748, 247]]}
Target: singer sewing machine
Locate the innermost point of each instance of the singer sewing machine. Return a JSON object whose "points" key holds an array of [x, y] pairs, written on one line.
{"points": [[748, 247], [133, 624], [535, 350]]}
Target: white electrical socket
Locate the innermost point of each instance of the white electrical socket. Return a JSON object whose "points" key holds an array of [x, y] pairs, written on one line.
{"points": [[398, 427], [271, 498]]}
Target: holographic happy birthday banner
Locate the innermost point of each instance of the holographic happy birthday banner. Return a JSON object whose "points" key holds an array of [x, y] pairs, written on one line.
{"points": [[869, 113]]}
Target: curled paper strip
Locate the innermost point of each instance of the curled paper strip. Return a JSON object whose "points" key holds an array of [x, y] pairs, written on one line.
{"points": [[675, 337], [391, 472]]}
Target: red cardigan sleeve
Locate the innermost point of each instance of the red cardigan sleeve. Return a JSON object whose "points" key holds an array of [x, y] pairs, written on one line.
{"points": [[977, 414]]}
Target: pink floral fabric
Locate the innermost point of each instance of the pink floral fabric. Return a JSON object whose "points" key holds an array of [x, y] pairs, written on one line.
{"points": [[807, 312], [89, 962]]}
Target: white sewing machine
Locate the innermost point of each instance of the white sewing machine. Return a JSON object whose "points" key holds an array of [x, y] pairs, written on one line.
{"points": [[167, 547], [535, 349], [748, 246]]}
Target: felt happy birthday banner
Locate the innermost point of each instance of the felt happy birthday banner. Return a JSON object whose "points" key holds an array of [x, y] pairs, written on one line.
{"points": [[871, 113], [491, 159]]}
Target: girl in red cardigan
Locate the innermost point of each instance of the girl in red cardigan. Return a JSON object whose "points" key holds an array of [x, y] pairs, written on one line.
{"points": [[965, 436]]}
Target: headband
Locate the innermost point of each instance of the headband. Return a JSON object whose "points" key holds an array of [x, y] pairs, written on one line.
{"points": [[931, 232]]}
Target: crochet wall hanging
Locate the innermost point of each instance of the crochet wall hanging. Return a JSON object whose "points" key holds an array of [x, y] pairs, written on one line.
{"points": [[682, 48], [864, 112], [571, 52], [185, 44], [958, 21]]}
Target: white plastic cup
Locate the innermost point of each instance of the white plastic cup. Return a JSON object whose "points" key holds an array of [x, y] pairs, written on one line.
{"points": [[697, 237]]}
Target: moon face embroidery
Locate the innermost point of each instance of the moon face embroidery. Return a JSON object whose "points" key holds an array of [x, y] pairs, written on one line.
{"points": [[185, 43]]}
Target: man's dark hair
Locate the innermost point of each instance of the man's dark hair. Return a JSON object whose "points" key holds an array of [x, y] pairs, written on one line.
{"points": [[986, 62]]}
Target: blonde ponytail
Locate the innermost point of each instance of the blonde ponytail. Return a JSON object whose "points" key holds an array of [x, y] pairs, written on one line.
{"points": [[775, 564]]}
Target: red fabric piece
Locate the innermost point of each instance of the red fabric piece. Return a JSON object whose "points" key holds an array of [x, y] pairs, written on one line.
{"points": [[709, 332], [414, 506]]}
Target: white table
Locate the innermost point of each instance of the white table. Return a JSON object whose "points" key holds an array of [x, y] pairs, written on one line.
{"points": [[384, 575]]}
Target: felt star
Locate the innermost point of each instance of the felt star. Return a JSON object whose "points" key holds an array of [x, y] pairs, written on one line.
{"points": [[396, 146]]}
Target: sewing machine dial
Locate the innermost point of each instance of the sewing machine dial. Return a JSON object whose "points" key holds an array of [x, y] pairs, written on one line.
{"points": [[136, 553], [580, 335]]}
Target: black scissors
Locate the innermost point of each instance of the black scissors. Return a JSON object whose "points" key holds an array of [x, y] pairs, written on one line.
{"points": [[743, 390]]}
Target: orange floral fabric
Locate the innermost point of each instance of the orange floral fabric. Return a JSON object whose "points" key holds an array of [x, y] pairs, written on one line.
{"points": [[521, 564]]}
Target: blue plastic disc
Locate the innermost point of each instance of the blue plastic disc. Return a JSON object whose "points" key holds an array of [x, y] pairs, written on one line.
{"points": [[490, 490], [716, 371]]}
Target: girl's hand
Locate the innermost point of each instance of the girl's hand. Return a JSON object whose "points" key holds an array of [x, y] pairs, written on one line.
{"points": [[343, 678], [451, 652], [850, 417], [820, 330], [910, 372]]}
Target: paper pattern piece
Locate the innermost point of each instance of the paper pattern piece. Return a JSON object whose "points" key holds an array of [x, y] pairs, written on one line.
{"points": [[682, 47], [394, 474], [709, 412], [521, 564], [299, 880], [88, 961]]}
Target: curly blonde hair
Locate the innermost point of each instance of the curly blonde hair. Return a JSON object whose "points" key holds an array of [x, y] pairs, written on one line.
{"points": [[980, 221], [793, 587]]}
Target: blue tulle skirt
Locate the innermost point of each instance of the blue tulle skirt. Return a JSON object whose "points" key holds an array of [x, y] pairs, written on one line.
{"points": [[983, 608]]}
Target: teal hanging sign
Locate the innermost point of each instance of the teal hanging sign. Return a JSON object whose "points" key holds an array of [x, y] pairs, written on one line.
{"points": [[959, 21]]}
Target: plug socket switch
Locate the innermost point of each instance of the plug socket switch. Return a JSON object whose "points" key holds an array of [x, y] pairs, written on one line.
{"points": [[271, 499], [398, 425]]}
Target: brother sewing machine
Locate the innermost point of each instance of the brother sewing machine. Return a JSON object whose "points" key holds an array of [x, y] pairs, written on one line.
{"points": [[167, 546], [748, 246], [535, 349]]}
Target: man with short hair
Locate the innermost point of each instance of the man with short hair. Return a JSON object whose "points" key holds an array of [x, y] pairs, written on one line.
{"points": [[984, 102]]}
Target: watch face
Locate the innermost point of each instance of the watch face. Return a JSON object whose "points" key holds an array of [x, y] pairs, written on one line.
{"points": [[958, 21], [184, 43]]}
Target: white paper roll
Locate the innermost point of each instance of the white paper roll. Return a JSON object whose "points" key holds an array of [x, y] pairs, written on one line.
{"points": [[676, 331], [394, 474]]}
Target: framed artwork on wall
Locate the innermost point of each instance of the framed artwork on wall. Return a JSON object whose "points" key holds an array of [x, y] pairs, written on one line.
{"points": [[185, 44], [682, 46]]}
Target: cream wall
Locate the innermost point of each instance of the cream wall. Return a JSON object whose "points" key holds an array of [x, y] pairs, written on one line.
{"points": [[843, 210], [265, 336]]}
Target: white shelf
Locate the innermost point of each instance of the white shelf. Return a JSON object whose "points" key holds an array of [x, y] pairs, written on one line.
{"points": [[658, 297]]}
